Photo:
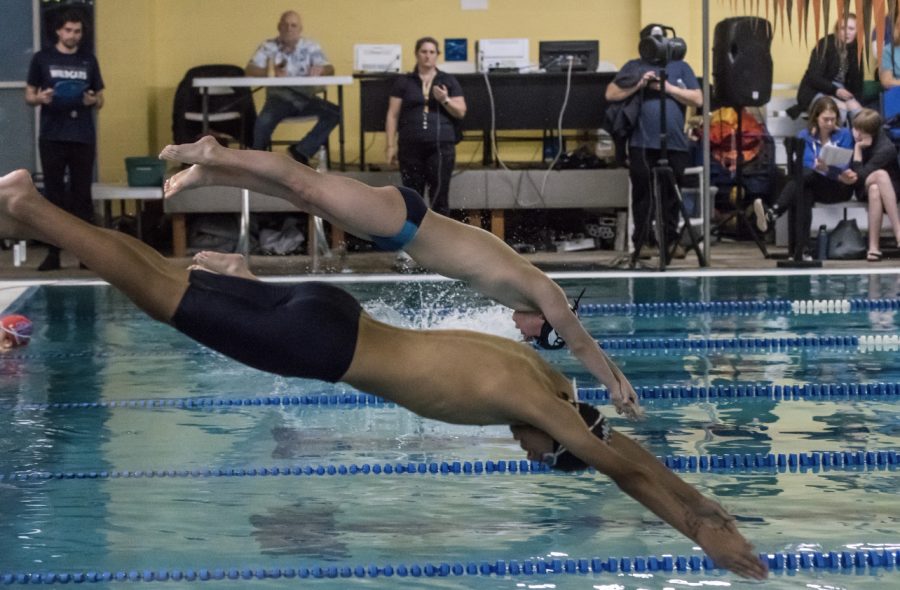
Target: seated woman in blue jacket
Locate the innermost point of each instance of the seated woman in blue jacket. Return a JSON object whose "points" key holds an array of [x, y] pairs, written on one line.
{"points": [[878, 175], [818, 182]]}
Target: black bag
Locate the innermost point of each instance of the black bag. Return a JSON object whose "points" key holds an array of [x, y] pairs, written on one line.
{"points": [[846, 242], [620, 120]]}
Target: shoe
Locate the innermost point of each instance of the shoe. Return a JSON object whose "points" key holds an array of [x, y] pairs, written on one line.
{"points": [[51, 262], [874, 256], [765, 218], [294, 150]]}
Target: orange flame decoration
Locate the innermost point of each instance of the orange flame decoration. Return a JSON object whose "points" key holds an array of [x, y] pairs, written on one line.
{"points": [[817, 14], [870, 16], [723, 136]]}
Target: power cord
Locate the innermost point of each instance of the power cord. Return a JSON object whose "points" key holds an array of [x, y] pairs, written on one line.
{"points": [[562, 112]]}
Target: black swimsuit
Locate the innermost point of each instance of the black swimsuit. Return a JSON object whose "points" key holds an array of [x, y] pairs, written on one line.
{"points": [[415, 212], [303, 330]]}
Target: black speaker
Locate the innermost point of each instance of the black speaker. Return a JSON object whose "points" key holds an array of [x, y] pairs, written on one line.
{"points": [[51, 10], [742, 61]]}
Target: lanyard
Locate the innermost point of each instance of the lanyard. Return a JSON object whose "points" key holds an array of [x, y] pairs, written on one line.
{"points": [[426, 95]]}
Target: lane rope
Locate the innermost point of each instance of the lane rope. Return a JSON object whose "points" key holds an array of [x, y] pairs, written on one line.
{"points": [[866, 460], [796, 306], [771, 392], [632, 345], [844, 562]]}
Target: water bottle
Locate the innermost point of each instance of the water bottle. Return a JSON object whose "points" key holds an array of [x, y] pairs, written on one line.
{"points": [[822, 243]]}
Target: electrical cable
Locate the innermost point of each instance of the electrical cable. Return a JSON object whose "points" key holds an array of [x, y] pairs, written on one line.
{"points": [[562, 112]]}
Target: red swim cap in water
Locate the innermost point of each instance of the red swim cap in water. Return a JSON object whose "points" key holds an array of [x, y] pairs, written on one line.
{"points": [[18, 327]]}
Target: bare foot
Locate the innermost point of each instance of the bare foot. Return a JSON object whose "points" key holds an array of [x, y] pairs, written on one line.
{"points": [[196, 175], [202, 151], [227, 264], [16, 190]]}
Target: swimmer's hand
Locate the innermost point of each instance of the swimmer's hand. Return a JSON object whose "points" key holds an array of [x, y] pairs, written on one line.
{"points": [[714, 529], [626, 402], [722, 542]]}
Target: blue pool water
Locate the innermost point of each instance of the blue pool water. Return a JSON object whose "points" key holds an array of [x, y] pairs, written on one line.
{"points": [[64, 412]]}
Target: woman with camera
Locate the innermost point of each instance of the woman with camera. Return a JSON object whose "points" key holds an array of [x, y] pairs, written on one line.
{"points": [[640, 79]]}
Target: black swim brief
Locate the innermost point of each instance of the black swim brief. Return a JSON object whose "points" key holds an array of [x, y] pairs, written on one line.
{"points": [[303, 330], [415, 212]]}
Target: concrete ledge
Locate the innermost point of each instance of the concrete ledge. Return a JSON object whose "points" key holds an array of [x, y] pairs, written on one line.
{"points": [[222, 199], [113, 192], [522, 189], [472, 190]]}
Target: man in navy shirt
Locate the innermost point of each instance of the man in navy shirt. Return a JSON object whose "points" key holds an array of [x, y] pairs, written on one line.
{"points": [[65, 83], [640, 77]]}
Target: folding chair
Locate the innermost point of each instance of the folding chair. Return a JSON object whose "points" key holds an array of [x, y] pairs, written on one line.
{"points": [[232, 113]]}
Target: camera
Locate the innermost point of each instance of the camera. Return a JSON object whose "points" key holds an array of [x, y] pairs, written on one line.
{"points": [[659, 45]]}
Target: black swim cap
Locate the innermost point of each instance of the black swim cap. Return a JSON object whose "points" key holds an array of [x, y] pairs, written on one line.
{"points": [[549, 339], [561, 458]]}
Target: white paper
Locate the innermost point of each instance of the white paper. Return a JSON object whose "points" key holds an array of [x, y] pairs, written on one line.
{"points": [[836, 156], [473, 4]]}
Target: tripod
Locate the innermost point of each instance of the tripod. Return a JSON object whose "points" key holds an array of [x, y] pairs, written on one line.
{"points": [[739, 190], [663, 184]]}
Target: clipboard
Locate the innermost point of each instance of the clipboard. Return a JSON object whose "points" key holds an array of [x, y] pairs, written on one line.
{"points": [[833, 155]]}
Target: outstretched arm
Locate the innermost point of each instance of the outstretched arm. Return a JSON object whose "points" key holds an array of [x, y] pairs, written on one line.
{"points": [[640, 475], [552, 302], [491, 267]]}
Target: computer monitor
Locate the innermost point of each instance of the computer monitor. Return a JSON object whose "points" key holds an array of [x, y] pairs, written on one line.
{"points": [[554, 55]]}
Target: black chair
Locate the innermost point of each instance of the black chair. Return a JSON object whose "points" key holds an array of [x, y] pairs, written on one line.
{"points": [[231, 112], [794, 148]]}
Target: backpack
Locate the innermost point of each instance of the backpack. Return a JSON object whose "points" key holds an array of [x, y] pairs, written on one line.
{"points": [[846, 242]]}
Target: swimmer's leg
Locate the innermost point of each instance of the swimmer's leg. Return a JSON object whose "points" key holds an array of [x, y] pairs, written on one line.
{"points": [[152, 282], [359, 208], [226, 264]]}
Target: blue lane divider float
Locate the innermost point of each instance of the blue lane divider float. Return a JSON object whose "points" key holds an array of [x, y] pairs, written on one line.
{"points": [[783, 462], [649, 345], [845, 562], [683, 307], [794, 392], [773, 392], [25, 354], [729, 345], [797, 306]]}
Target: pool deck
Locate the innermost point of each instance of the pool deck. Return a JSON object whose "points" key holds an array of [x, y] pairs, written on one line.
{"points": [[727, 257]]}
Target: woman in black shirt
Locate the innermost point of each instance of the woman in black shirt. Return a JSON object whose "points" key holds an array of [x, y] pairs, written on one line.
{"points": [[834, 70], [424, 110], [877, 176]]}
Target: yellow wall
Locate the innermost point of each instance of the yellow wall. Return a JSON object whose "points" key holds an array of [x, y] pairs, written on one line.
{"points": [[145, 46]]}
